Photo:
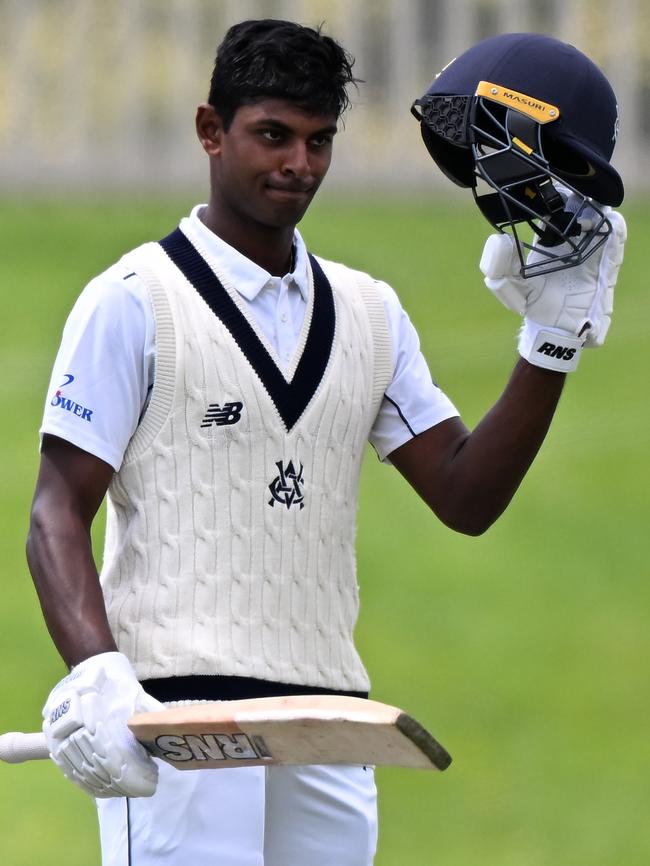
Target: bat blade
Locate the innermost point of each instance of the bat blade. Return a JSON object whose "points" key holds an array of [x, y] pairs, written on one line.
{"points": [[298, 729], [321, 729]]}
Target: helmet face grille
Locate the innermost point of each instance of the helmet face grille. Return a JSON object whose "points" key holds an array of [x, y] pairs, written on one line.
{"points": [[524, 189], [511, 179]]}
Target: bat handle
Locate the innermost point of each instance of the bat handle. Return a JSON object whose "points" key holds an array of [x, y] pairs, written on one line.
{"points": [[16, 747]]}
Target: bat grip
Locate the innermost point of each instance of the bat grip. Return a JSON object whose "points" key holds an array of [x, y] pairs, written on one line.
{"points": [[16, 747]]}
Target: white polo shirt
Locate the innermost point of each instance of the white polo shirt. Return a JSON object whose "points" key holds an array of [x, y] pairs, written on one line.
{"points": [[106, 363]]}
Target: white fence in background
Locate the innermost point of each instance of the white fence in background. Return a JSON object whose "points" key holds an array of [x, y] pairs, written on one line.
{"points": [[101, 93]]}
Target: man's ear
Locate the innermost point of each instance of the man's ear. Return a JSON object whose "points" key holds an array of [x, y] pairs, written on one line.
{"points": [[209, 128]]}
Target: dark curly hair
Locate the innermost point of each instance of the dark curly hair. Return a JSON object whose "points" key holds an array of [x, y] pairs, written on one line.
{"points": [[270, 58]]}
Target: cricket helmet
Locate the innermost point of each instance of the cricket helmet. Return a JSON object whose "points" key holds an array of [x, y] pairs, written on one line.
{"points": [[527, 121]]}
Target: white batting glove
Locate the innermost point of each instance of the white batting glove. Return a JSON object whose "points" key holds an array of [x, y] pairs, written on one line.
{"points": [[563, 311], [85, 725]]}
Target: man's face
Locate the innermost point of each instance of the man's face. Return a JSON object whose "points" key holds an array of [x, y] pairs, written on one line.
{"points": [[267, 167]]}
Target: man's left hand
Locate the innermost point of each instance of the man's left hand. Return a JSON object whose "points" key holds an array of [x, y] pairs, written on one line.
{"points": [[570, 307]]}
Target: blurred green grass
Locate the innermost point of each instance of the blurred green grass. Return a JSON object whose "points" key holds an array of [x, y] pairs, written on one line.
{"points": [[525, 651]]}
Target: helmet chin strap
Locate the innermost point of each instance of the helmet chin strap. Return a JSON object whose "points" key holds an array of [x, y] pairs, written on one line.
{"points": [[560, 226], [561, 223]]}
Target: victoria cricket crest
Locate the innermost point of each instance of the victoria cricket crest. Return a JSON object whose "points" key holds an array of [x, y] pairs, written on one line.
{"points": [[287, 487]]}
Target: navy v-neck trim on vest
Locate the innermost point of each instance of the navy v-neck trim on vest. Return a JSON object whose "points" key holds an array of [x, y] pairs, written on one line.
{"points": [[290, 398]]}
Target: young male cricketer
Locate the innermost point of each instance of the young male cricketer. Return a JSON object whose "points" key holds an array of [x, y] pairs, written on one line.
{"points": [[228, 429]]}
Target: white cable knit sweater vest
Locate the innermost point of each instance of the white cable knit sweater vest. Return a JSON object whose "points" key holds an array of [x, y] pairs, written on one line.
{"points": [[230, 539]]}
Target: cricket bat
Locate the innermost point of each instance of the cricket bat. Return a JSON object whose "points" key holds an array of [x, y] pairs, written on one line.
{"points": [[297, 729]]}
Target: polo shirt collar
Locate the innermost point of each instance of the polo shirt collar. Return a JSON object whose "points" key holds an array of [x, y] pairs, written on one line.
{"points": [[248, 278]]}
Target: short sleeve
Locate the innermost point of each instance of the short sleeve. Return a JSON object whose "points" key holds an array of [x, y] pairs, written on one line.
{"points": [[413, 402], [104, 367]]}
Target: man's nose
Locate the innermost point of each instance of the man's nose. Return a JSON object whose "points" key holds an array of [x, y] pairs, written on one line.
{"points": [[296, 161]]}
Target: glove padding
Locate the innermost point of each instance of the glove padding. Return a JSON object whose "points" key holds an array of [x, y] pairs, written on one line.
{"points": [[85, 726], [574, 304]]}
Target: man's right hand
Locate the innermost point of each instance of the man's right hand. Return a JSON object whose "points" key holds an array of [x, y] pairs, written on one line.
{"points": [[84, 721]]}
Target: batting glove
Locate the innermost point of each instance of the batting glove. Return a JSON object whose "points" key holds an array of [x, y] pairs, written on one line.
{"points": [[85, 726], [563, 311]]}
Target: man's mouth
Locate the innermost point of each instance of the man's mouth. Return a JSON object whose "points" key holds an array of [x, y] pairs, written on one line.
{"points": [[293, 190]]}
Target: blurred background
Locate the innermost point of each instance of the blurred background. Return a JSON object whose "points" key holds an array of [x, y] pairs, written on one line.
{"points": [[103, 93], [525, 651]]}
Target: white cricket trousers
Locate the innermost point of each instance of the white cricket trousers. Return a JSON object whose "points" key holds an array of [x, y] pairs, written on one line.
{"points": [[248, 816]]}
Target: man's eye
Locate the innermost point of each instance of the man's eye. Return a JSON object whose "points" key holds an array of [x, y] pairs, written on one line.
{"points": [[321, 140], [272, 135]]}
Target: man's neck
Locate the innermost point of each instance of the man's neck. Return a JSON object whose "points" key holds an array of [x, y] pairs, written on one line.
{"points": [[270, 248]]}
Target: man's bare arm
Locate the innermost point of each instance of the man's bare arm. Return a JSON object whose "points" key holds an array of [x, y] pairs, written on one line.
{"points": [[70, 488], [468, 479]]}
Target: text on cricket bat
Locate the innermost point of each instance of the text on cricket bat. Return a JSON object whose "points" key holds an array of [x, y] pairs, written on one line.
{"points": [[211, 747]]}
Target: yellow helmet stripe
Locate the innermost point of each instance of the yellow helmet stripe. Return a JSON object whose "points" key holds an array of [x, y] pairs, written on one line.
{"points": [[542, 112], [522, 145]]}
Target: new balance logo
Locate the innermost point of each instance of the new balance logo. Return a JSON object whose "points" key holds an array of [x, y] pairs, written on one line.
{"points": [[564, 353], [229, 413]]}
